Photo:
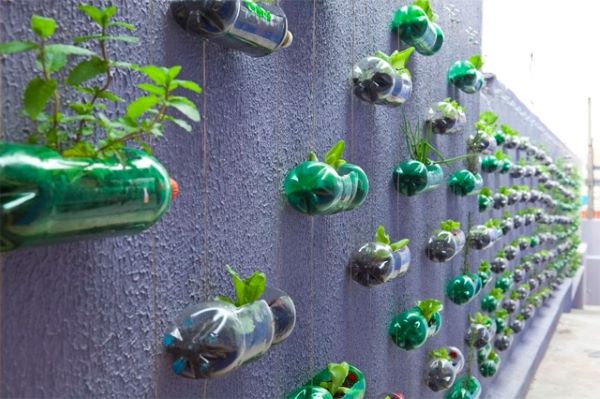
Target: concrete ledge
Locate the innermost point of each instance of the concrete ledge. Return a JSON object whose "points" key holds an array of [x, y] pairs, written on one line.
{"points": [[520, 364]]}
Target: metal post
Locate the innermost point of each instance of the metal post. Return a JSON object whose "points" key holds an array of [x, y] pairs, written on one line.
{"points": [[590, 163]]}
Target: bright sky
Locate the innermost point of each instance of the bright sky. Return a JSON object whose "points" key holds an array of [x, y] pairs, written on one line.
{"points": [[546, 52]]}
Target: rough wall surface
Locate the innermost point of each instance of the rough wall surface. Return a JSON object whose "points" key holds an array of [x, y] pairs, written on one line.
{"points": [[86, 318]]}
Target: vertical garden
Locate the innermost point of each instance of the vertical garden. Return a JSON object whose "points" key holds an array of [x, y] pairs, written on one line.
{"points": [[356, 168]]}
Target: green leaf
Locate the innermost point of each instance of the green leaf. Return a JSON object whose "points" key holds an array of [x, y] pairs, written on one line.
{"points": [[335, 154], [494, 223], [188, 85], [107, 38], [450, 225], [398, 59], [507, 130], [441, 353], [182, 124], [514, 295], [508, 331], [69, 49], [502, 314], [426, 7], [81, 149], [381, 236], [37, 94], [86, 70], [487, 192], [174, 71], [488, 117], [398, 245], [247, 290], [94, 13], [480, 318], [43, 27], [186, 107], [138, 107], [339, 373], [121, 24], [429, 307], [477, 61], [158, 75], [485, 266], [108, 13], [497, 293], [147, 87], [17, 47]]}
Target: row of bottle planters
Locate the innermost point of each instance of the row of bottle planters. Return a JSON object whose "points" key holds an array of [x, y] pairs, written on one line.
{"points": [[48, 198], [213, 338]]}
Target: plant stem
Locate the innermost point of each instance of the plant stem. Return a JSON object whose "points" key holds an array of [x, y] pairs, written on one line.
{"points": [[56, 97], [107, 82]]}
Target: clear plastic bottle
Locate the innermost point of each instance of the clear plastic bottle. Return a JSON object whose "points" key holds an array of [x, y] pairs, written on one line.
{"points": [[383, 79], [256, 28]]}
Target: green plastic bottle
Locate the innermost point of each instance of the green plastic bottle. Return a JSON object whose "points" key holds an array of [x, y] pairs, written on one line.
{"points": [[466, 75], [46, 198], [415, 25]]}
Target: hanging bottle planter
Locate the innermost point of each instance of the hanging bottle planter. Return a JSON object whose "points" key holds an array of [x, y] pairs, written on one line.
{"points": [[411, 328], [47, 198], [501, 320], [338, 380], [464, 182], [517, 171], [493, 163], [447, 117], [443, 367], [484, 236], [522, 291], [383, 79], [500, 200], [490, 302], [485, 199], [465, 387], [505, 281], [325, 188], [213, 338], [511, 137], [511, 304], [504, 339], [445, 243], [415, 25], [485, 273], [466, 75], [505, 166], [80, 179], [463, 288], [528, 311], [518, 274], [524, 144], [480, 331], [488, 361], [517, 324], [379, 261], [255, 28], [517, 221], [419, 174], [482, 142], [500, 263], [507, 223], [511, 250], [523, 243]]}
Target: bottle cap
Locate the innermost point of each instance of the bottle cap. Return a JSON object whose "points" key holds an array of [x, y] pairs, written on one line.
{"points": [[174, 189]]}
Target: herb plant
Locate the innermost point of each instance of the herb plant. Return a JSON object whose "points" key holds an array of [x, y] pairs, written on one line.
{"points": [[382, 237], [68, 103], [339, 372], [247, 290]]}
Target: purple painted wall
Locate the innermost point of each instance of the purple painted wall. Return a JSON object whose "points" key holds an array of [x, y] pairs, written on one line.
{"points": [[86, 318]]}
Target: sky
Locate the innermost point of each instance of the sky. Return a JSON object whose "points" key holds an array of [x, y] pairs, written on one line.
{"points": [[546, 52]]}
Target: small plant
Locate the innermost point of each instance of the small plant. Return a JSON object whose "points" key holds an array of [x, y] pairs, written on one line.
{"points": [[339, 373], [382, 237], [445, 243], [466, 75], [485, 272], [485, 200], [70, 116], [247, 290], [480, 331], [511, 137], [490, 302]]}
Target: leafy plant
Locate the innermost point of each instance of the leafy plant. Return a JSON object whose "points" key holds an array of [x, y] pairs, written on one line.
{"points": [[514, 295], [420, 147], [493, 223], [508, 331], [526, 286], [449, 108], [501, 254], [505, 190], [487, 192], [382, 237], [80, 127], [500, 155], [477, 61], [485, 266], [426, 6], [333, 157], [502, 314], [449, 225], [339, 372], [247, 290], [441, 353], [520, 317], [487, 122], [429, 307], [480, 318], [397, 59], [497, 293], [507, 130]]}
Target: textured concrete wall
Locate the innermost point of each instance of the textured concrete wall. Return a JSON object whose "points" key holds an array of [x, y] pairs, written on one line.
{"points": [[86, 318]]}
